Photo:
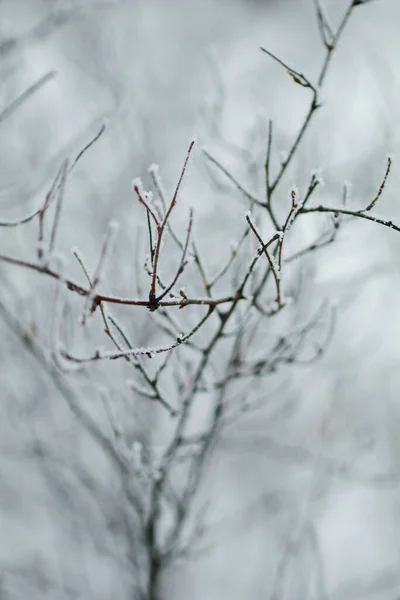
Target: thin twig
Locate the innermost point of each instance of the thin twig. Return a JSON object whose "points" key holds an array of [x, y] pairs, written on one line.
{"points": [[48, 200], [149, 352], [353, 213], [109, 239], [57, 214], [268, 161], [182, 263], [88, 145], [137, 187], [153, 302], [305, 82], [330, 50], [296, 75], [233, 255], [273, 266], [21, 221], [152, 295], [28, 93], [239, 186], [382, 186]]}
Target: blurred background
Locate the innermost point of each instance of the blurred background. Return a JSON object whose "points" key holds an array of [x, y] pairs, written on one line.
{"points": [[305, 501]]}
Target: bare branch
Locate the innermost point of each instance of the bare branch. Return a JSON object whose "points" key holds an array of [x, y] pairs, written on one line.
{"points": [[325, 30], [143, 198], [88, 145], [275, 267], [352, 213], [382, 186], [149, 352], [296, 75], [314, 104]]}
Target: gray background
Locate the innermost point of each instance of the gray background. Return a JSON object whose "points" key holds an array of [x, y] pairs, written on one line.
{"points": [[304, 502]]}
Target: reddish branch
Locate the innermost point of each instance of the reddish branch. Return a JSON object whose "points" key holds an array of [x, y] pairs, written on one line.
{"points": [[154, 301]]}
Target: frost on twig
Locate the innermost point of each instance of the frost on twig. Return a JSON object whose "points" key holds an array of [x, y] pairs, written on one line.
{"points": [[42, 247], [149, 352], [154, 171], [109, 239], [297, 205], [161, 225], [381, 187], [145, 198]]}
